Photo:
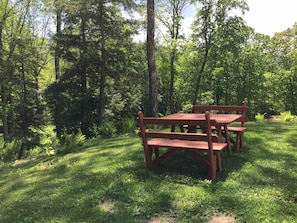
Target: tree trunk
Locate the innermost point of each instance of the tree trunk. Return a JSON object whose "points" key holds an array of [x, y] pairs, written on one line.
{"points": [[83, 74], [4, 113], [21, 151], [171, 93], [152, 70], [57, 62], [25, 121], [57, 49], [199, 76], [172, 58], [102, 67], [2, 87]]}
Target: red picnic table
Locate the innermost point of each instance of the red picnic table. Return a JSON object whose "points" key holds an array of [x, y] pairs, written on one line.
{"points": [[223, 120]]}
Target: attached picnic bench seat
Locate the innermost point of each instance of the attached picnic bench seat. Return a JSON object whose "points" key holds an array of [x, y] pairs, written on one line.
{"points": [[237, 130], [177, 141]]}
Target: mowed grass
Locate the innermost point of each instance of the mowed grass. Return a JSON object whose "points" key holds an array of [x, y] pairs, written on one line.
{"points": [[106, 181]]}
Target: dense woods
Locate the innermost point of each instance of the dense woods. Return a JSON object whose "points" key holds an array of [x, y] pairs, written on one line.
{"points": [[77, 66]]}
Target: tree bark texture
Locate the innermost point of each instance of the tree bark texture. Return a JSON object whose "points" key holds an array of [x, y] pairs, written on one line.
{"points": [[152, 70]]}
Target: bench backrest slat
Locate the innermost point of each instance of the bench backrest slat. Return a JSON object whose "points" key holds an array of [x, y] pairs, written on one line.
{"points": [[181, 136], [147, 133], [168, 122], [241, 109]]}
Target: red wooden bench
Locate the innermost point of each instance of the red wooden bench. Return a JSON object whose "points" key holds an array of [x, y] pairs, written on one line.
{"points": [[177, 141], [237, 130]]}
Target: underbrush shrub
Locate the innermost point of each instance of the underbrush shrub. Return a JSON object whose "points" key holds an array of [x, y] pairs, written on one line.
{"points": [[129, 126], [9, 150], [107, 130], [286, 116], [70, 142], [187, 108], [48, 140], [260, 117]]}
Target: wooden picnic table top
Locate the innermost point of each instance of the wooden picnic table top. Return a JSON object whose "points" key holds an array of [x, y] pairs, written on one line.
{"points": [[221, 119]]}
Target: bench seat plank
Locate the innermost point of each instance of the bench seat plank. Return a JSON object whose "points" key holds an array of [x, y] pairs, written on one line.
{"points": [[236, 129], [181, 135], [185, 144]]}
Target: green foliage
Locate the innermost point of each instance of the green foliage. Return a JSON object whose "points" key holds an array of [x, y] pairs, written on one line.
{"points": [[49, 142], [206, 98], [107, 130], [70, 142], [47, 138], [187, 108], [286, 116], [9, 150], [129, 126], [102, 68], [260, 117]]}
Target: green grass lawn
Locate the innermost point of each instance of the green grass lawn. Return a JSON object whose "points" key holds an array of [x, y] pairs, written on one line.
{"points": [[106, 181]]}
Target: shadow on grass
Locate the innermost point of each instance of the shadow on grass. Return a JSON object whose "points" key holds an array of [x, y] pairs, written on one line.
{"points": [[107, 182], [74, 188]]}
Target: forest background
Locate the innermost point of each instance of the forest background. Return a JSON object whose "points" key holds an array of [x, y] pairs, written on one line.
{"points": [[74, 68]]}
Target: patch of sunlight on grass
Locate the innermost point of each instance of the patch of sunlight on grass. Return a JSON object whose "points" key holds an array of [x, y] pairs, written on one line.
{"points": [[189, 196], [106, 181]]}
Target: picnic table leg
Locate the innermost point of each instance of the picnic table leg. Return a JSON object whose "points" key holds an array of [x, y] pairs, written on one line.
{"points": [[238, 141], [241, 139], [156, 151], [227, 138], [219, 163], [212, 169], [148, 158]]}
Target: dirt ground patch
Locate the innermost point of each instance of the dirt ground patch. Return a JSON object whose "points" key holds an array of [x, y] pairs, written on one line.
{"points": [[214, 219], [222, 219], [274, 118], [157, 220]]}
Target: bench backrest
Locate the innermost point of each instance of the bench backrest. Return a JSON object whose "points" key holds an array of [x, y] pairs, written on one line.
{"points": [[225, 109], [147, 133]]}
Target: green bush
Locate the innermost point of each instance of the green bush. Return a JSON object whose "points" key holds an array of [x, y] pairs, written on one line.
{"points": [[9, 150], [107, 130], [48, 138], [70, 142], [260, 117], [187, 108], [129, 126], [287, 116]]}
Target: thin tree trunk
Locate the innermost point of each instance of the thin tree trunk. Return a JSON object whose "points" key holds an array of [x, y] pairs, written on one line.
{"points": [[102, 67], [199, 76], [177, 8], [57, 63], [57, 49], [21, 151], [25, 121], [2, 87], [84, 119], [4, 113], [153, 78], [171, 93]]}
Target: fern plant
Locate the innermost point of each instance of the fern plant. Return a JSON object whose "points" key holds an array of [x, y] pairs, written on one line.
{"points": [[260, 117], [129, 126], [71, 141], [286, 116], [107, 130]]}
